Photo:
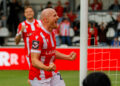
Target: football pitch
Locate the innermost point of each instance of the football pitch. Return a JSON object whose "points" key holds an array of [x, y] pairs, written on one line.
{"points": [[19, 78], [71, 78]]}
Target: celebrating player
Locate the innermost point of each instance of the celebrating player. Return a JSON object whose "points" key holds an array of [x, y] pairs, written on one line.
{"points": [[43, 53], [26, 28]]}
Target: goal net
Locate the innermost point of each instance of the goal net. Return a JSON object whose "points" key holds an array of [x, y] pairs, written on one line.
{"points": [[103, 59]]}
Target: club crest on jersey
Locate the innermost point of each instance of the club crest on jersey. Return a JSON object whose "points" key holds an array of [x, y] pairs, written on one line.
{"points": [[35, 44]]}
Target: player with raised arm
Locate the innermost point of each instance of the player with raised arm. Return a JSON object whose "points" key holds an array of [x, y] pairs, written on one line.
{"points": [[26, 28], [43, 53]]}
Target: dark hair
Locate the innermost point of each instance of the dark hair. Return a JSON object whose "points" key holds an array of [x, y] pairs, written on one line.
{"points": [[49, 2], [28, 7], [97, 79]]}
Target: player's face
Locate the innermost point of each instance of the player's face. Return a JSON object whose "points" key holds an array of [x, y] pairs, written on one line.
{"points": [[29, 13], [53, 20]]}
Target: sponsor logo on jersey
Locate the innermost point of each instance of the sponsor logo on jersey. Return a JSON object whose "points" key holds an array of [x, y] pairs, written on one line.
{"points": [[29, 34], [50, 52]]}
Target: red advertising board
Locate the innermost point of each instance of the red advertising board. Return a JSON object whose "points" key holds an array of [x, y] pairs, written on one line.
{"points": [[98, 59], [13, 59]]}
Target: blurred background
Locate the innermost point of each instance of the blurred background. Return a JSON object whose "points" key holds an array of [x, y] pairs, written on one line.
{"points": [[103, 19]]}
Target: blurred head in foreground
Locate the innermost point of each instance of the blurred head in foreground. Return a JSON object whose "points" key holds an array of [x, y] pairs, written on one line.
{"points": [[97, 79]]}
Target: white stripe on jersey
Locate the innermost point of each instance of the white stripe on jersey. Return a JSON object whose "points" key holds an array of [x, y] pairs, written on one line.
{"points": [[35, 51], [42, 73], [32, 27], [27, 42], [51, 38], [44, 41], [39, 22], [51, 61], [44, 29]]}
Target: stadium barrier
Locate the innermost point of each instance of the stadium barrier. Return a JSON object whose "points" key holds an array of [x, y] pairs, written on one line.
{"points": [[98, 59]]}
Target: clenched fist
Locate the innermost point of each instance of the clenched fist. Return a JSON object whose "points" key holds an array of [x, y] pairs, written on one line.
{"points": [[72, 56], [52, 67]]}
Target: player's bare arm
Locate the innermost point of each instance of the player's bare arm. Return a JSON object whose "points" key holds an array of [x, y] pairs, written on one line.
{"points": [[18, 37], [70, 57], [38, 64]]}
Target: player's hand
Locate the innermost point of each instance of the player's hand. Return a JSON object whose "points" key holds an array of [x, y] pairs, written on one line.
{"points": [[72, 56], [22, 28], [52, 67]]}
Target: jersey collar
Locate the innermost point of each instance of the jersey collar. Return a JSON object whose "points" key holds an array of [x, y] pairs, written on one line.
{"points": [[42, 27], [30, 22]]}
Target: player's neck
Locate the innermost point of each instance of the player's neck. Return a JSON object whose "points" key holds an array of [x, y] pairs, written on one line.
{"points": [[47, 27], [30, 20]]}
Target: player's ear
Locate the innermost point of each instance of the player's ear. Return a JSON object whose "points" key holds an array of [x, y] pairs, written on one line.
{"points": [[46, 20]]}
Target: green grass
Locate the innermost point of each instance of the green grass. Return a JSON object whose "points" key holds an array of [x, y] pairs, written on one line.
{"points": [[71, 78], [19, 78], [13, 78]]}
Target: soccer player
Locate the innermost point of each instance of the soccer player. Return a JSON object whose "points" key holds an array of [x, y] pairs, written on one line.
{"points": [[43, 53], [26, 28]]}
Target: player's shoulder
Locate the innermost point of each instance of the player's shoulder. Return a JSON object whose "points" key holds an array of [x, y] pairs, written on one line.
{"points": [[22, 23], [39, 22]]}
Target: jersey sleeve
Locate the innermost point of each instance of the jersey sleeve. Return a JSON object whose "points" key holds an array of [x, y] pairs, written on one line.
{"points": [[19, 29], [36, 44]]}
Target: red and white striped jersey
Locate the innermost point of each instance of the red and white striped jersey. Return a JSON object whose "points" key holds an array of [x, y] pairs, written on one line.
{"points": [[64, 29], [29, 29], [43, 42]]}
